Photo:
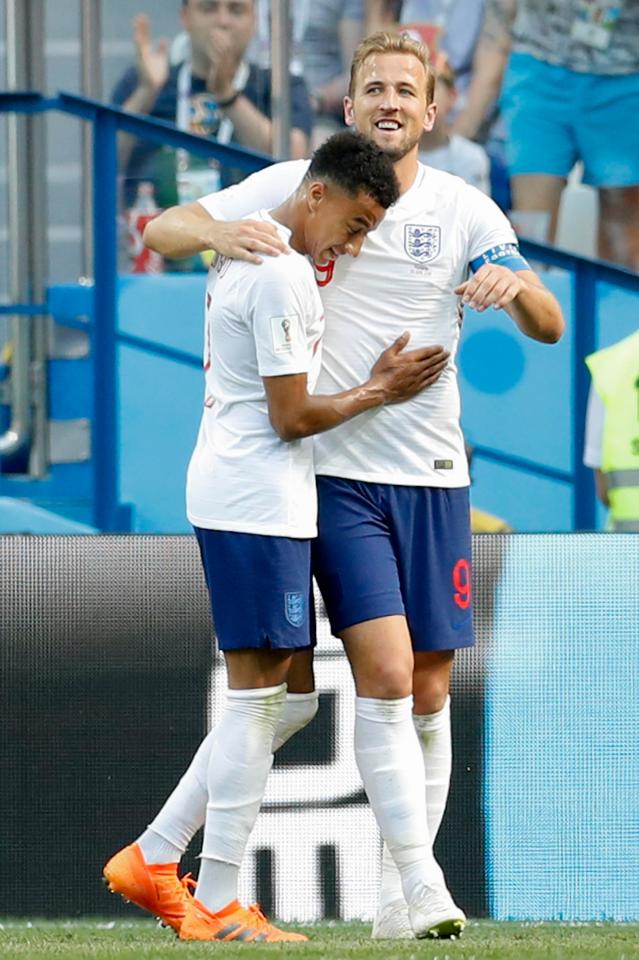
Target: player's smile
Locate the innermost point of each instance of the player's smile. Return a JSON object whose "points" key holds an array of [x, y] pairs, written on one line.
{"points": [[389, 133], [389, 102], [387, 124]]}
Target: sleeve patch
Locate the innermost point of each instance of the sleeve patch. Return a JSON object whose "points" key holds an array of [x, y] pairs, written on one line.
{"points": [[504, 254], [284, 333]]}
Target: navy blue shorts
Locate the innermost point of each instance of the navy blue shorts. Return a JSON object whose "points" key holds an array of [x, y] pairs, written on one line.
{"points": [[386, 549], [260, 590]]}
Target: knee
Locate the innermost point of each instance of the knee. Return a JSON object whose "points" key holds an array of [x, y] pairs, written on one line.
{"points": [[431, 701], [430, 690], [387, 682]]}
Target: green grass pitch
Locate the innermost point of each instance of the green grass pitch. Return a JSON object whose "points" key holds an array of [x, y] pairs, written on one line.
{"points": [[482, 940]]}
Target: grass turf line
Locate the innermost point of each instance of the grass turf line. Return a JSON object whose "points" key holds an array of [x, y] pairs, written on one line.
{"points": [[482, 940]]}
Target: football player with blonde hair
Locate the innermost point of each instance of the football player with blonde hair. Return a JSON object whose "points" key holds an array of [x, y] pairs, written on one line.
{"points": [[393, 556], [251, 499]]}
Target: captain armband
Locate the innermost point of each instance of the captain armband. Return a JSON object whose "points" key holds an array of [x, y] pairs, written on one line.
{"points": [[504, 254]]}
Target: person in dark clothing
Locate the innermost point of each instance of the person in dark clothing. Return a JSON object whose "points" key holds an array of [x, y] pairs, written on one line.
{"points": [[214, 93]]}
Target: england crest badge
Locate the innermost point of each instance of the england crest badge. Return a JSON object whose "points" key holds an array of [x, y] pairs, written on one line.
{"points": [[294, 607], [422, 242]]}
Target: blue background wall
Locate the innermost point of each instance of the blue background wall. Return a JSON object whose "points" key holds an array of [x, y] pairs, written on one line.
{"points": [[160, 398], [516, 399]]}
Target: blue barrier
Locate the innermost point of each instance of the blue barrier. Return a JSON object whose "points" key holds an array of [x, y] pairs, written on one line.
{"points": [[107, 121]]}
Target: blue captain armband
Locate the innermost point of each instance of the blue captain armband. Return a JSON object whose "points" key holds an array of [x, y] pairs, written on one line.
{"points": [[505, 254]]}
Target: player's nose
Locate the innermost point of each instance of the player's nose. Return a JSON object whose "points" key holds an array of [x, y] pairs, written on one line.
{"points": [[354, 245], [221, 17], [390, 100]]}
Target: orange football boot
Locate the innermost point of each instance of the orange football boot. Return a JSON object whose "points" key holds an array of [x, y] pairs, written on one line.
{"points": [[234, 922], [154, 887]]}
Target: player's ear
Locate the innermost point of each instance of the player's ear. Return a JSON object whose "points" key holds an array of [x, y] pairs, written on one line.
{"points": [[314, 194], [349, 119], [429, 117]]}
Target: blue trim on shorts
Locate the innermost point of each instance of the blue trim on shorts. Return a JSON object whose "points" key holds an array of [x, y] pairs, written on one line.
{"points": [[260, 590], [386, 549]]}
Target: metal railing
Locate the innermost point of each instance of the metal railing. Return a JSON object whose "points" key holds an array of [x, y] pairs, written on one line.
{"points": [[107, 121], [587, 272], [27, 435]]}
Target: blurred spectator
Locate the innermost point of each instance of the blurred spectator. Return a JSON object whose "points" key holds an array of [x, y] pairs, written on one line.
{"points": [[449, 151], [570, 92], [334, 29], [449, 25], [612, 431], [259, 51], [381, 14], [492, 49], [215, 93], [323, 37], [480, 520]]}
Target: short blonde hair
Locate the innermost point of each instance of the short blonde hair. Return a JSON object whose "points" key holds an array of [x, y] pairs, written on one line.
{"points": [[387, 42]]}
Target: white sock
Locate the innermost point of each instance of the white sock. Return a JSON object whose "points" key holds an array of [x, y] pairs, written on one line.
{"points": [[182, 814], [168, 836], [238, 768], [299, 709], [155, 849], [433, 731], [390, 762]]}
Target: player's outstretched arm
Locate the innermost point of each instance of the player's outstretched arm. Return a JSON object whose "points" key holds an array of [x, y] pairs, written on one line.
{"points": [[187, 230], [521, 293], [397, 375]]}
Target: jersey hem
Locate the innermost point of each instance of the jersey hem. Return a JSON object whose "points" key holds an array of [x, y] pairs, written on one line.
{"points": [[264, 531], [404, 481]]}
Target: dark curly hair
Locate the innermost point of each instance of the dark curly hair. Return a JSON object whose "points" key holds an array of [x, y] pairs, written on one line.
{"points": [[354, 163]]}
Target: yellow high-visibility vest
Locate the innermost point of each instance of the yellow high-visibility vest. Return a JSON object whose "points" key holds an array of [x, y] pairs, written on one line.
{"points": [[615, 376], [482, 522]]}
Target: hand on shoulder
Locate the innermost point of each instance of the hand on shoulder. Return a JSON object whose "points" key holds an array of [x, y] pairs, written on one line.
{"points": [[246, 239]]}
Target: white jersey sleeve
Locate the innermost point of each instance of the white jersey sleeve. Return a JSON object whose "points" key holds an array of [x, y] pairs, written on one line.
{"points": [[277, 316], [262, 190], [261, 320], [490, 233]]}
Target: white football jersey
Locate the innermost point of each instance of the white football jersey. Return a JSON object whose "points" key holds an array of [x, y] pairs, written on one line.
{"points": [[403, 279], [260, 321]]}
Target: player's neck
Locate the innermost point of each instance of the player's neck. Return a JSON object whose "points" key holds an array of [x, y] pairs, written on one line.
{"points": [[288, 214], [406, 170]]}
